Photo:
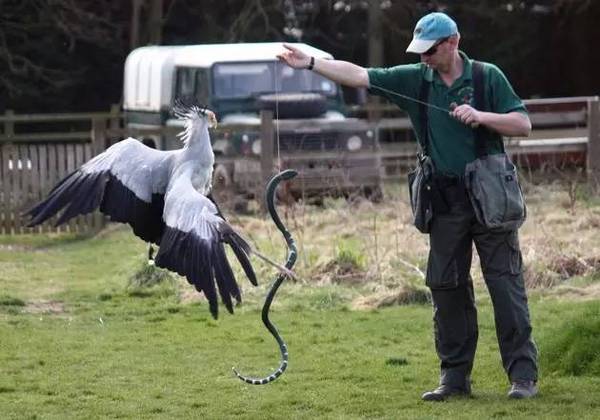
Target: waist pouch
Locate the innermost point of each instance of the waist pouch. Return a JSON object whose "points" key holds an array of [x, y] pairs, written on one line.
{"points": [[494, 191], [420, 185]]}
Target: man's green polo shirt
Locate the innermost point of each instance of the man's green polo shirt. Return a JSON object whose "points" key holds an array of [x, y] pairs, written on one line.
{"points": [[451, 143]]}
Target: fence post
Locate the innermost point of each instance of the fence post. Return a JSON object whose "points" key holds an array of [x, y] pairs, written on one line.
{"points": [[115, 117], [266, 154], [593, 146], [9, 124], [98, 135]]}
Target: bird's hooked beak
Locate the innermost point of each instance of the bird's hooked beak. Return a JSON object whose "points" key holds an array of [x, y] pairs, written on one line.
{"points": [[212, 118]]}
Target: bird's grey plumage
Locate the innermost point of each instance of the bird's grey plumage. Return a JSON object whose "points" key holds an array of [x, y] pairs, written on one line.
{"points": [[163, 196]]}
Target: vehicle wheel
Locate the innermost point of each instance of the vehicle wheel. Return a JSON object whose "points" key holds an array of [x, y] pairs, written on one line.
{"points": [[294, 105]]}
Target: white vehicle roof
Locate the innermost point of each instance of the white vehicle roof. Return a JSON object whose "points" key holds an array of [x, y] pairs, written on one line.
{"points": [[149, 71], [207, 55]]}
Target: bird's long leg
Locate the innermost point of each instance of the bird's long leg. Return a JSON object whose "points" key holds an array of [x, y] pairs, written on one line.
{"points": [[291, 260], [283, 269], [150, 254], [263, 257]]}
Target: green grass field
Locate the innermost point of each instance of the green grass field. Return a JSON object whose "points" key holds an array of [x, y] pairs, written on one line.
{"points": [[78, 342]]}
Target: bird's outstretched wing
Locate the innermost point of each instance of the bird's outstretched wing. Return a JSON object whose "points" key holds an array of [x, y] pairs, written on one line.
{"points": [[127, 182], [192, 244]]}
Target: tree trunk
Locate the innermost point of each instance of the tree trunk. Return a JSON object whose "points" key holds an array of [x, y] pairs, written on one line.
{"points": [[134, 32], [375, 48], [155, 23], [375, 34]]}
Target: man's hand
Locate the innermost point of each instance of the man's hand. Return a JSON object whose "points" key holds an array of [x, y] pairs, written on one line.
{"points": [[293, 57], [466, 114], [510, 124], [341, 72]]}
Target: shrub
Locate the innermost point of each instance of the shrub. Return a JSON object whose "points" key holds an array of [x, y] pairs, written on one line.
{"points": [[348, 255], [6, 300], [575, 348], [150, 280]]}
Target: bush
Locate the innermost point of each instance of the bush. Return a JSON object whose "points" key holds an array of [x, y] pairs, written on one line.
{"points": [[150, 280], [348, 255], [6, 300], [575, 348]]}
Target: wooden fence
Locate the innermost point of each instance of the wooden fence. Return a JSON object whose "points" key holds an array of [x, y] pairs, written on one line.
{"points": [[564, 130], [33, 162]]}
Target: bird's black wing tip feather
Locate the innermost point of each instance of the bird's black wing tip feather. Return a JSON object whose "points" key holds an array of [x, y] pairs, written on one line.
{"points": [[72, 196], [203, 263], [241, 249]]}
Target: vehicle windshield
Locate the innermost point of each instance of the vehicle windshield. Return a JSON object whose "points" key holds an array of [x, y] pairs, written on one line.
{"points": [[243, 80]]}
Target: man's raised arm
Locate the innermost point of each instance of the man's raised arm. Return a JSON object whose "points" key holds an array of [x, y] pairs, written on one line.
{"points": [[342, 72]]}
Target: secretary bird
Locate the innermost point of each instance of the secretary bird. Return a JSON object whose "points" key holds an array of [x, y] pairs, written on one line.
{"points": [[163, 196]]}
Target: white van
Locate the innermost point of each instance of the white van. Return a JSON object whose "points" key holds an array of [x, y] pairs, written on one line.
{"points": [[332, 153]]}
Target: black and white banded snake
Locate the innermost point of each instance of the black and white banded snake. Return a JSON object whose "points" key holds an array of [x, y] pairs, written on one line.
{"points": [[291, 260]]}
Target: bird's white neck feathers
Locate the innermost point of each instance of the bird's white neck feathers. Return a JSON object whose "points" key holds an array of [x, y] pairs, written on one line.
{"points": [[195, 132]]}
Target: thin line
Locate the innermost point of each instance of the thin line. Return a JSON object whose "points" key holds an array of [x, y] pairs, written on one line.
{"points": [[277, 115], [410, 98]]}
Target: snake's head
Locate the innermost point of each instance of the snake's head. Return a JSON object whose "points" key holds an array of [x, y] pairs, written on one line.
{"points": [[288, 174]]}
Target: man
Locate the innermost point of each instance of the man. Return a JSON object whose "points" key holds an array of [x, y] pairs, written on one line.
{"points": [[454, 229]]}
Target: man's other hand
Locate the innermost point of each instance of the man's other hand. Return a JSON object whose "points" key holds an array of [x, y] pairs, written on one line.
{"points": [[293, 57]]}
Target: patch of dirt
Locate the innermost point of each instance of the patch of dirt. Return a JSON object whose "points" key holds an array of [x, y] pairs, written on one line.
{"points": [[558, 219], [109, 228], [52, 307], [568, 267], [541, 279], [590, 221], [341, 273], [402, 296], [15, 248], [591, 292], [190, 295], [559, 269]]}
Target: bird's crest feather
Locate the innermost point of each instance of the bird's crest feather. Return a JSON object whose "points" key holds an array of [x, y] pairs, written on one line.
{"points": [[188, 109]]}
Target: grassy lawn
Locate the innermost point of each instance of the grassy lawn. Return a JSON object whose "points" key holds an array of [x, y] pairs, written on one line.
{"points": [[77, 342]]}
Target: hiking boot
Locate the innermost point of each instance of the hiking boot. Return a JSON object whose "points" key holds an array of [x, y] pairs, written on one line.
{"points": [[522, 389], [443, 392]]}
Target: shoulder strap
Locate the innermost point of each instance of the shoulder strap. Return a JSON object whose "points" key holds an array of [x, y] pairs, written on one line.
{"points": [[423, 116], [478, 85], [479, 104]]}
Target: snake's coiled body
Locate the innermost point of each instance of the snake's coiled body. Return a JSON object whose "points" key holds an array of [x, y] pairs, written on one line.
{"points": [[291, 260]]}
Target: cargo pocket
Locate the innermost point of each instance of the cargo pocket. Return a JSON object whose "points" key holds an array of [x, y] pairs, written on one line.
{"points": [[515, 258], [495, 193], [442, 273], [514, 206]]}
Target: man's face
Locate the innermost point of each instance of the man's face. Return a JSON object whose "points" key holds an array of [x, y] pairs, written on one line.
{"points": [[439, 55]]}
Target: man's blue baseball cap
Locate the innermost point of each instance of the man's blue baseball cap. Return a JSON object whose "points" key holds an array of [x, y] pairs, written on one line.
{"points": [[429, 29]]}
